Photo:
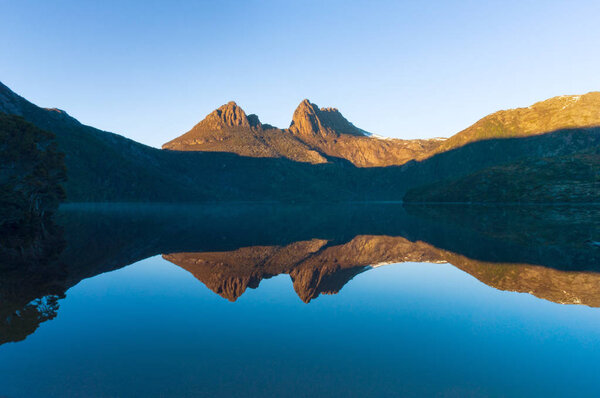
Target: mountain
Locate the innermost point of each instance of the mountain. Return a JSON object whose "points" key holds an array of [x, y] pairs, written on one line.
{"points": [[320, 157], [103, 166], [318, 134], [100, 165], [547, 152], [228, 129], [314, 136], [550, 132]]}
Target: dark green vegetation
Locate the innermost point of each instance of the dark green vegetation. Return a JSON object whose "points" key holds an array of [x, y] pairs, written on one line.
{"points": [[569, 178], [31, 173]]}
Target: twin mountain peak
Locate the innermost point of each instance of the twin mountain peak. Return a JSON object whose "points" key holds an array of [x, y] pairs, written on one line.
{"points": [[315, 135], [320, 135], [307, 119]]}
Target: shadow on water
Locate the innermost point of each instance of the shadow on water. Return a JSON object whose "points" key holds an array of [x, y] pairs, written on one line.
{"points": [[550, 252]]}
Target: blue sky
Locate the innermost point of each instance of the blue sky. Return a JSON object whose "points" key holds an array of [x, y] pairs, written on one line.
{"points": [[150, 70]]}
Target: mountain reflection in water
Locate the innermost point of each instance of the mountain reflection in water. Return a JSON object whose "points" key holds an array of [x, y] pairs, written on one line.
{"points": [[549, 252]]}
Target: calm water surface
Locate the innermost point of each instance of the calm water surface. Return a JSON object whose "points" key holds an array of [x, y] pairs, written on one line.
{"points": [[305, 314]]}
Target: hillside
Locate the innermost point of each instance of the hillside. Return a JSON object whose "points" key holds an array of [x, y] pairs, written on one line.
{"points": [[557, 113], [567, 178]]}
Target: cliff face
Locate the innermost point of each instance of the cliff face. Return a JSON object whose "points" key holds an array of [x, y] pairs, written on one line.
{"points": [[310, 121], [327, 131]]}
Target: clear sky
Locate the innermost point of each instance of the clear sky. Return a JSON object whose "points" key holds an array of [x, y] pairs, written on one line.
{"points": [[150, 70]]}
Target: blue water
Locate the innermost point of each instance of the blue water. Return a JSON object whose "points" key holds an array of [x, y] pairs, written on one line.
{"points": [[412, 329]]}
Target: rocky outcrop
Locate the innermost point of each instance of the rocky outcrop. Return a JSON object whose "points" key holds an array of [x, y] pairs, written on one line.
{"points": [[328, 132]]}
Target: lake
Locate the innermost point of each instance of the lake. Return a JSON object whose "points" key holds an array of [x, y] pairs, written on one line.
{"points": [[305, 300]]}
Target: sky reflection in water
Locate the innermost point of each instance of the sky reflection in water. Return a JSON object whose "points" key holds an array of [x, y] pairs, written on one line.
{"points": [[412, 329]]}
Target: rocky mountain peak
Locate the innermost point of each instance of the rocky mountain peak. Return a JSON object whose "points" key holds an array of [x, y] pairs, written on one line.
{"points": [[228, 115], [309, 120], [305, 120]]}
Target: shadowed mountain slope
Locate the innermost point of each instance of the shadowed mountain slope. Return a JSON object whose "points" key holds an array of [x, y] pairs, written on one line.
{"points": [[568, 178], [548, 152], [510, 153]]}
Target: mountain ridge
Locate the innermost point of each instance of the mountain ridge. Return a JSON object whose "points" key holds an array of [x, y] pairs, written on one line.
{"points": [[246, 160], [555, 113], [315, 135], [325, 133]]}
